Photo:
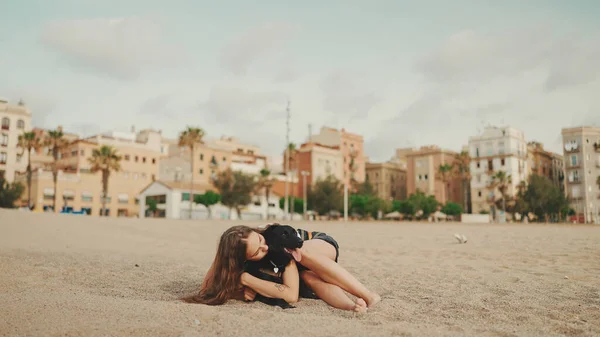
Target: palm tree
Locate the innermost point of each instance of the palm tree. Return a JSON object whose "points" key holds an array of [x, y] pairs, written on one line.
{"points": [[29, 141], [502, 181], [55, 142], [190, 138], [445, 173], [105, 159], [462, 164], [265, 181]]}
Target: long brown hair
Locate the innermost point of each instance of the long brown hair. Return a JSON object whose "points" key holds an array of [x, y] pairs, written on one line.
{"points": [[222, 280]]}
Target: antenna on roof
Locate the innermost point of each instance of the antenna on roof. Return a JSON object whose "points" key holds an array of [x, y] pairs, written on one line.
{"points": [[309, 132]]}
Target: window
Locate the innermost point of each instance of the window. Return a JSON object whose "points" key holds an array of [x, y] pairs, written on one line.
{"points": [[419, 177], [479, 194], [201, 171], [153, 160], [574, 160], [502, 161], [202, 156], [4, 140], [136, 159], [143, 159], [126, 157], [476, 152], [478, 178], [2, 157], [478, 165], [82, 152], [20, 124], [86, 197], [19, 156], [224, 159], [5, 123], [425, 177]]}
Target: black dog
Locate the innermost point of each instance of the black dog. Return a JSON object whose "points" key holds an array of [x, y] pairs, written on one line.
{"points": [[281, 240]]}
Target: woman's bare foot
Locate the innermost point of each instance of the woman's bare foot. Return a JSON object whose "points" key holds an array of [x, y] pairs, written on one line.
{"points": [[360, 305], [373, 299]]}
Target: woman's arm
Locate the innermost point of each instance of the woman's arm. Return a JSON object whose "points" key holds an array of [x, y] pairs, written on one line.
{"points": [[287, 291]]}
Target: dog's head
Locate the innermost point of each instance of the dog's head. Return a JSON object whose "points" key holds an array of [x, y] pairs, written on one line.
{"points": [[282, 240]]}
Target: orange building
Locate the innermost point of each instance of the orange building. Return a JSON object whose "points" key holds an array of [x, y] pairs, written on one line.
{"points": [[547, 164], [388, 180], [317, 162], [351, 146], [80, 189], [422, 167]]}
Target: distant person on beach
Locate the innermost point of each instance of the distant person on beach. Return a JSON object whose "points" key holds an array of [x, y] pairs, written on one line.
{"points": [[314, 267]]}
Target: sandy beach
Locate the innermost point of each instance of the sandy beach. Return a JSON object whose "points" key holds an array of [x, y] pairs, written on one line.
{"points": [[65, 275]]}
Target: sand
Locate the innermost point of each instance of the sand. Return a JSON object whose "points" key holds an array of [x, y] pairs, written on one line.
{"points": [[67, 275]]}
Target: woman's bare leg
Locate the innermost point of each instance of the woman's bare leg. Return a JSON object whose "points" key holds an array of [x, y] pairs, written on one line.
{"points": [[319, 256], [332, 294]]}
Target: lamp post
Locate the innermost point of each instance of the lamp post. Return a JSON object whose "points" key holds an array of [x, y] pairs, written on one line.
{"points": [[304, 175]]}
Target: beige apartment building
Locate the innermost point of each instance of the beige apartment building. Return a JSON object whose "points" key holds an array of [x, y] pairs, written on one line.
{"points": [[318, 162], [14, 121], [422, 174], [582, 165], [79, 189], [351, 146], [546, 163], [388, 180]]}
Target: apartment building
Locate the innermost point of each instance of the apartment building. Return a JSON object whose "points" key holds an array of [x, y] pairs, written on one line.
{"points": [[582, 165], [388, 180], [422, 173], [496, 149], [14, 120], [80, 189], [351, 146], [318, 162], [545, 163]]}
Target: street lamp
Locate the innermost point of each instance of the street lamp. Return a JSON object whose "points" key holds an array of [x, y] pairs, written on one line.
{"points": [[304, 175]]}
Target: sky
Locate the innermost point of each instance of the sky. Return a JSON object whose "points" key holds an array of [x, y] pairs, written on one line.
{"points": [[400, 73]]}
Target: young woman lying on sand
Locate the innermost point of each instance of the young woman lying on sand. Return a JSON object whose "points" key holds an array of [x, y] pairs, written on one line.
{"points": [[315, 264]]}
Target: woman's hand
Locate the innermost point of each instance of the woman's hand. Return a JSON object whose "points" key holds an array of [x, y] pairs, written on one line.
{"points": [[249, 294]]}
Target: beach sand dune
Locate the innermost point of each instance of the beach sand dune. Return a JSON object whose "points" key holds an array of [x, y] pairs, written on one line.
{"points": [[63, 275]]}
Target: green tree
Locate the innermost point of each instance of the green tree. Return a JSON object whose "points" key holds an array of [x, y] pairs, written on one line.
{"points": [[207, 199], [152, 206], [405, 207], [327, 195], [452, 208], [191, 138], [106, 160], [9, 193], [425, 203], [365, 189], [55, 142], [365, 205], [543, 198], [29, 141], [297, 202], [236, 189]]}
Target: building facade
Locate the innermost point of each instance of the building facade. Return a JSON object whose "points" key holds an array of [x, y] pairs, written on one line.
{"points": [[545, 163], [388, 180], [351, 146], [80, 189], [14, 121], [422, 174], [318, 161], [496, 149], [582, 166]]}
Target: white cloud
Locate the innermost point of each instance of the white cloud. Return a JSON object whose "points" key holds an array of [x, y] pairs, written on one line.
{"points": [[347, 95], [120, 47], [533, 79], [255, 46]]}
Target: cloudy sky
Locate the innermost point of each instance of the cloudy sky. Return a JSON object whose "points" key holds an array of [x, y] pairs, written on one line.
{"points": [[400, 74]]}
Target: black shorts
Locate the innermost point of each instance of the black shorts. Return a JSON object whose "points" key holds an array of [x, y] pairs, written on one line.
{"points": [[305, 291]]}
